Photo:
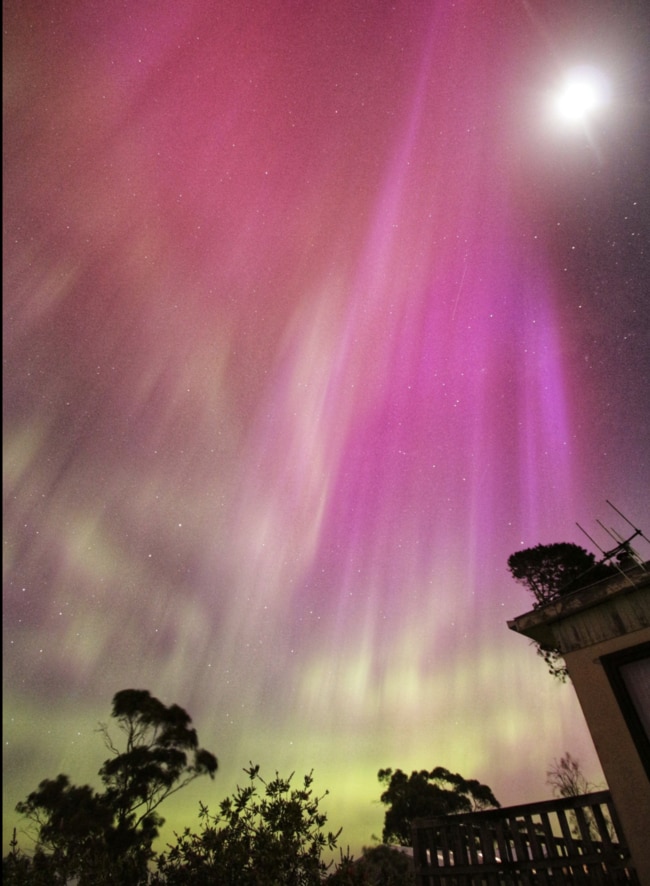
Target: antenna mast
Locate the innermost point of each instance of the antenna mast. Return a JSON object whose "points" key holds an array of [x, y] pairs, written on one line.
{"points": [[623, 550]]}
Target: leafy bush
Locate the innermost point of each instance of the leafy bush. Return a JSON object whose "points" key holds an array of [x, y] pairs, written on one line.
{"points": [[267, 834]]}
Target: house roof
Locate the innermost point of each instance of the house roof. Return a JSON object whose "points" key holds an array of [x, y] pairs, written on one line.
{"points": [[618, 605]]}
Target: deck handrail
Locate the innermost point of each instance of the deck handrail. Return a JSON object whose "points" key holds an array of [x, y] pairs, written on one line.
{"points": [[566, 840]]}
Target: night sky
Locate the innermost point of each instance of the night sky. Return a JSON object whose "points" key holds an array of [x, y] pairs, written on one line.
{"points": [[314, 312]]}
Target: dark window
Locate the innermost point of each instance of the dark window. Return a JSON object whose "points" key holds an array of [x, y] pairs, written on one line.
{"points": [[629, 674]]}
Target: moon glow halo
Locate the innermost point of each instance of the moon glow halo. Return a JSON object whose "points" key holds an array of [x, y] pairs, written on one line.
{"points": [[583, 92]]}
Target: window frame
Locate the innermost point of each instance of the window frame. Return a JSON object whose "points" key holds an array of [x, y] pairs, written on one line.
{"points": [[612, 664]]}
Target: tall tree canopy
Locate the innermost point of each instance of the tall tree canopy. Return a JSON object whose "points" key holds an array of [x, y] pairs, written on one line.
{"points": [[549, 571], [423, 794], [105, 837], [162, 755]]}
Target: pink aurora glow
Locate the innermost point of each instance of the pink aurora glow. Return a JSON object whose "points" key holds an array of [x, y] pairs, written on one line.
{"points": [[295, 358]]}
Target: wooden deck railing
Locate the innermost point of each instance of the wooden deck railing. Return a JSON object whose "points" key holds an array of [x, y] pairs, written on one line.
{"points": [[575, 840]]}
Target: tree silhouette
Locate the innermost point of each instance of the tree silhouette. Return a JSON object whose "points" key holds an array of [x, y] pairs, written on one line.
{"points": [[424, 794], [162, 756], [551, 571], [567, 779], [106, 837]]}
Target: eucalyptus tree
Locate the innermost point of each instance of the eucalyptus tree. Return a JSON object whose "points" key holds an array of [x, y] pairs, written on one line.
{"points": [[426, 794], [106, 836]]}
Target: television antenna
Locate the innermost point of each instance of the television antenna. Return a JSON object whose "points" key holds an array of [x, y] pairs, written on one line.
{"points": [[623, 554]]}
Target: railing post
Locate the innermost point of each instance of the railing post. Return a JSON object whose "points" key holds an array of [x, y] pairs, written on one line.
{"points": [[530, 845]]}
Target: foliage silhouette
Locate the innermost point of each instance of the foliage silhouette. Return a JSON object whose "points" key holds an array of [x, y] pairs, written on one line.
{"points": [[106, 837], [567, 779], [553, 571], [424, 794], [378, 866], [267, 834]]}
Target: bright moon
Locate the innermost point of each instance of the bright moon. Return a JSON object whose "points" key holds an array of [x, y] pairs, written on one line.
{"points": [[583, 92]]}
